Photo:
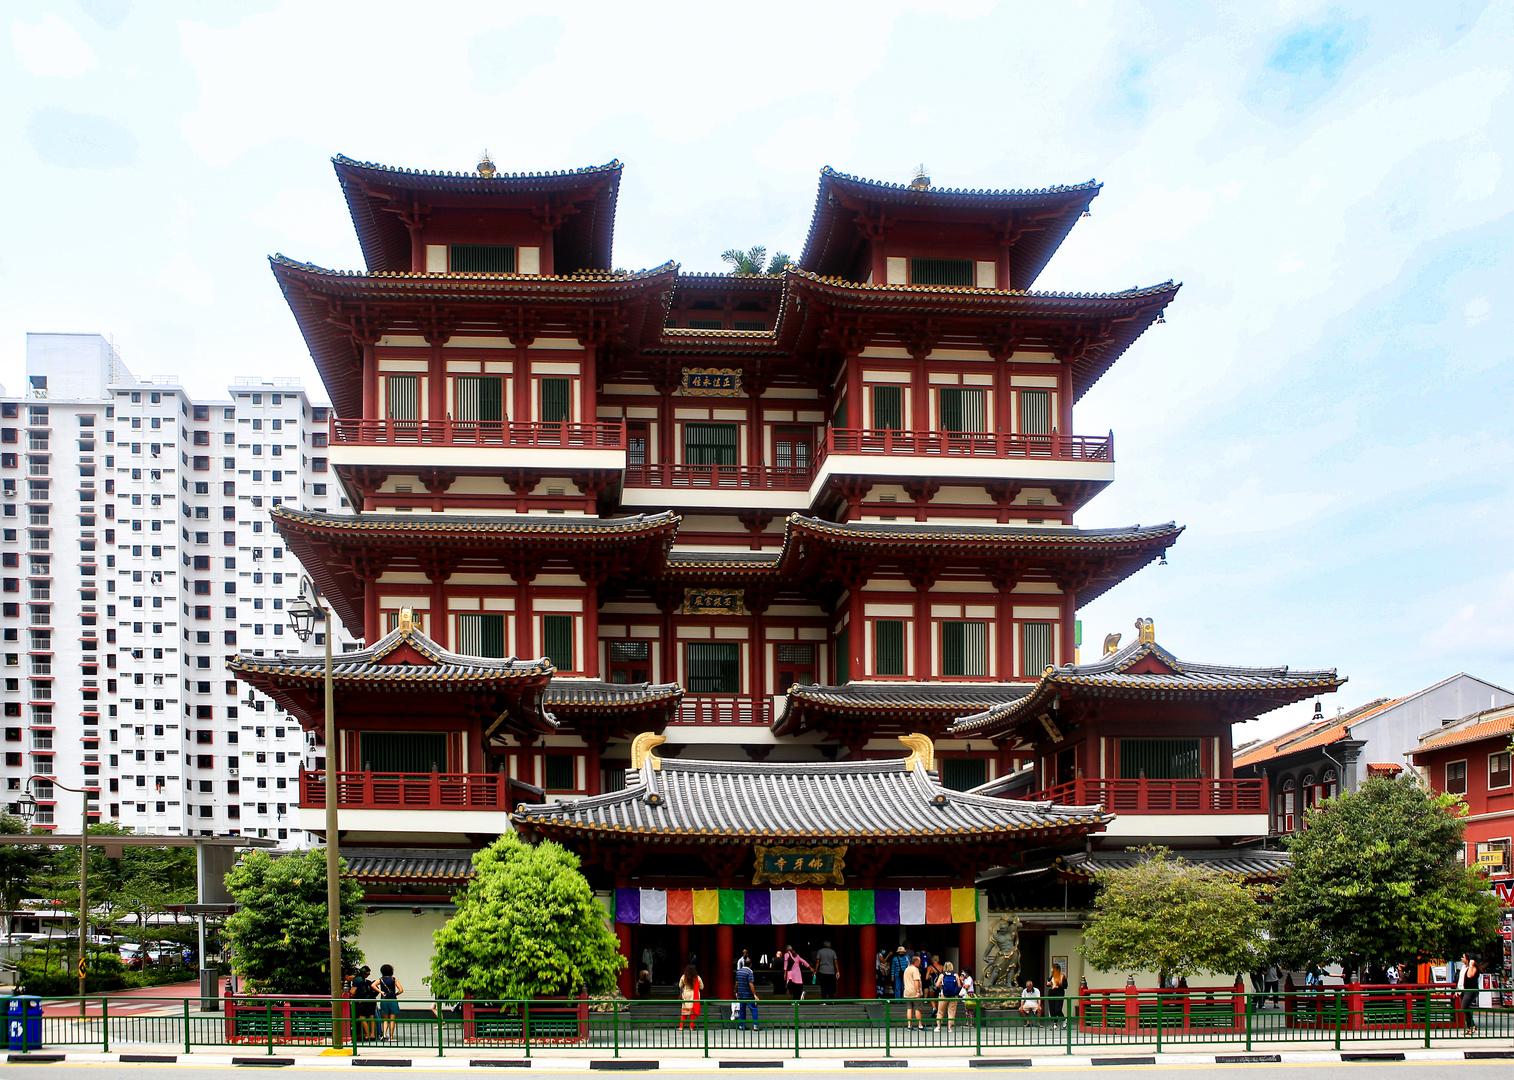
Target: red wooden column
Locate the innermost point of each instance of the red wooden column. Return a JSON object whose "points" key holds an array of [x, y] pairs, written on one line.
{"points": [[856, 415], [1064, 399], [523, 648], [589, 662], [625, 981], [967, 945], [725, 962], [589, 383], [592, 766], [436, 621], [1069, 626], [521, 374], [1004, 633], [919, 395], [867, 957], [922, 630], [856, 637], [436, 381], [370, 382], [1003, 394]]}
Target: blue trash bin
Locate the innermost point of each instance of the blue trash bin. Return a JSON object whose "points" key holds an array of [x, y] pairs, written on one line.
{"points": [[25, 1016]]}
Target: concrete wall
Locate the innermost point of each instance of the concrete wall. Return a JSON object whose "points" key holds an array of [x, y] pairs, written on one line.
{"points": [[394, 936], [1395, 731]]}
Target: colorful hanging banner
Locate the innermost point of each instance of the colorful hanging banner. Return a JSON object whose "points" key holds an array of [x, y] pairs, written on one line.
{"points": [[788, 907]]}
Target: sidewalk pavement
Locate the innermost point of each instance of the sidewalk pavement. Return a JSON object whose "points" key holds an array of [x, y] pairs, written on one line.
{"points": [[143, 1006]]}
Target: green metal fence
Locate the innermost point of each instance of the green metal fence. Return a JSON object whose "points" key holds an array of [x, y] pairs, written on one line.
{"points": [[1329, 1018]]}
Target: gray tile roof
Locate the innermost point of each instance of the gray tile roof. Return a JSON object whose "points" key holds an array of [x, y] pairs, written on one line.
{"points": [[493, 524], [812, 706], [408, 864], [367, 665], [916, 531], [870, 799], [572, 694], [1250, 864]]}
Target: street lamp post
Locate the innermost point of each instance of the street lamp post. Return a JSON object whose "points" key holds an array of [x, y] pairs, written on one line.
{"points": [[302, 621], [27, 805]]}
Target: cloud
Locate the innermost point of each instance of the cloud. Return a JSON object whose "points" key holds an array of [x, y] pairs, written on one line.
{"points": [[52, 48], [1483, 627], [1477, 310], [80, 140]]}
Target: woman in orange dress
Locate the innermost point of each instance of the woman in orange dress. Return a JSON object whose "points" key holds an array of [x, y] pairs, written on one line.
{"points": [[689, 988]]}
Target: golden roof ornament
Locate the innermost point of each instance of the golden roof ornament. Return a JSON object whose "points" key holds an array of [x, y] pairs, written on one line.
{"points": [[922, 751], [1146, 631], [642, 747], [486, 165], [921, 182], [407, 620], [1111, 644]]}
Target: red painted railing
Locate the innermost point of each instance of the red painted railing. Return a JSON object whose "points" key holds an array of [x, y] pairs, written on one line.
{"points": [[750, 477], [604, 435], [725, 710], [967, 444], [408, 791], [1248, 796]]}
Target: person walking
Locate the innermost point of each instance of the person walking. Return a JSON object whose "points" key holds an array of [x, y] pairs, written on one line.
{"points": [[826, 970], [1272, 981], [794, 967], [883, 979], [690, 985], [1056, 991], [746, 993], [949, 993], [364, 994], [897, 967], [913, 992], [1467, 982], [389, 991]]}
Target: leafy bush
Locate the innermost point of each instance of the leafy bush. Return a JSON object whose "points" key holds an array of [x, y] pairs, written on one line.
{"points": [[279, 937], [55, 973]]}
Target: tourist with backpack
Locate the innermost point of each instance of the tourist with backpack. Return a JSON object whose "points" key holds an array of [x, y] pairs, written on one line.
{"points": [[950, 989]]}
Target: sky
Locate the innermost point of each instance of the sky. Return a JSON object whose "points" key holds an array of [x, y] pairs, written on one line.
{"points": [[1327, 408]]}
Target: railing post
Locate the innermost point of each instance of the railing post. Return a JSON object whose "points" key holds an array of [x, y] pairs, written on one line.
{"points": [[268, 1009], [1337, 1020], [796, 1029], [1248, 1023], [615, 1025], [704, 1016], [888, 1027], [1071, 1016], [1427, 1018], [186, 1017], [525, 1025], [1159, 1020], [978, 1027], [105, 1025]]}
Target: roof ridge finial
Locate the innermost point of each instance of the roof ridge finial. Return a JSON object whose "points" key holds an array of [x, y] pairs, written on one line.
{"points": [[1146, 631], [921, 182], [642, 747], [922, 751], [407, 621], [486, 164]]}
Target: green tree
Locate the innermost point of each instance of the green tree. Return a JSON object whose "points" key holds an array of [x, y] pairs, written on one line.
{"points": [[526, 926], [746, 262], [279, 938], [19, 863], [1173, 917], [780, 263], [1379, 874]]}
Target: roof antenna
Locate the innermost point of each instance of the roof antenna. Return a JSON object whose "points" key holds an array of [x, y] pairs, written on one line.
{"points": [[486, 165], [921, 182]]}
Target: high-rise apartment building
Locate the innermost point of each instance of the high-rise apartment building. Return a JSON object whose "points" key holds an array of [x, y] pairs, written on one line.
{"points": [[137, 555]]}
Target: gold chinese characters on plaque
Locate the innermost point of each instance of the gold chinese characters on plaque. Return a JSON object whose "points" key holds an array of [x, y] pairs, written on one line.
{"points": [[714, 601], [711, 382], [799, 865]]}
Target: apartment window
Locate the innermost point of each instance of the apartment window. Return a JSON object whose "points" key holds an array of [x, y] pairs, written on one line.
{"points": [[964, 648], [483, 258], [557, 640], [480, 398], [961, 773], [556, 401], [888, 647], [481, 635], [1498, 770], [1159, 759], [709, 444], [963, 409], [888, 407], [1035, 648], [941, 272], [630, 661], [1456, 777], [713, 667], [636, 443], [1035, 412], [561, 772]]}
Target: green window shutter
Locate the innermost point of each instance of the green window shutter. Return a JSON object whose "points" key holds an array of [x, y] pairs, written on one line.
{"points": [[1159, 759], [964, 648], [481, 635], [888, 407], [1036, 648], [941, 272], [1035, 412], [404, 399], [561, 772], [963, 409], [557, 640], [706, 324], [556, 407], [749, 324], [483, 259], [709, 444], [403, 751], [491, 399], [888, 647], [843, 658], [959, 774], [714, 667]]}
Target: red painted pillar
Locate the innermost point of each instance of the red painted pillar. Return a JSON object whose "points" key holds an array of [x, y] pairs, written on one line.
{"points": [[867, 960], [967, 945], [626, 980], [1069, 629], [725, 962], [1064, 399], [855, 635], [1004, 633], [436, 384], [371, 629], [589, 396], [592, 767], [588, 663], [523, 650], [521, 413], [919, 410], [1003, 396], [436, 618], [370, 384], [922, 629], [856, 415]]}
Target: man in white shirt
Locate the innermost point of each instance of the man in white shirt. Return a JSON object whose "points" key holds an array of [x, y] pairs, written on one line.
{"points": [[1030, 999]]}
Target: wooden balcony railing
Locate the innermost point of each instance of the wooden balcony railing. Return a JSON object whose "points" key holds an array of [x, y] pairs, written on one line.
{"points": [[700, 709], [1202, 796], [967, 444], [719, 477], [408, 791], [603, 435]]}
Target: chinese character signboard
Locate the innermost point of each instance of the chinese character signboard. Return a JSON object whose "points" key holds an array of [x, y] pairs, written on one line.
{"points": [[712, 382], [713, 601], [800, 865]]}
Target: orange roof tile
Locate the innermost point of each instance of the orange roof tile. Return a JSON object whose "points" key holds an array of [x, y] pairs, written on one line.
{"points": [[1500, 723], [1317, 733]]}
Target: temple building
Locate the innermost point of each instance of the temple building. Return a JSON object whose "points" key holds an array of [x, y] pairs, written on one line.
{"points": [[760, 592]]}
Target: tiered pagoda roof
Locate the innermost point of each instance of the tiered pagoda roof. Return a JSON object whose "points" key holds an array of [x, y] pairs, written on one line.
{"points": [[860, 711], [600, 711]]}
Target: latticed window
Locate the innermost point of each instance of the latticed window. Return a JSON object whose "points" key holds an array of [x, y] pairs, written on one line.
{"points": [[888, 407], [562, 772], [630, 661], [961, 773], [404, 751], [1035, 412], [1159, 759], [1498, 769], [843, 657], [796, 664], [963, 409], [964, 648], [1456, 777], [709, 444], [1035, 640], [483, 258], [403, 397], [941, 272], [714, 667], [557, 640], [481, 635], [480, 398], [556, 401], [888, 647]]}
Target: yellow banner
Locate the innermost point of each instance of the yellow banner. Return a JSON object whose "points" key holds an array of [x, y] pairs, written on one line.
{"points": [[964, 905], [836, 904], [706, 907]]}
